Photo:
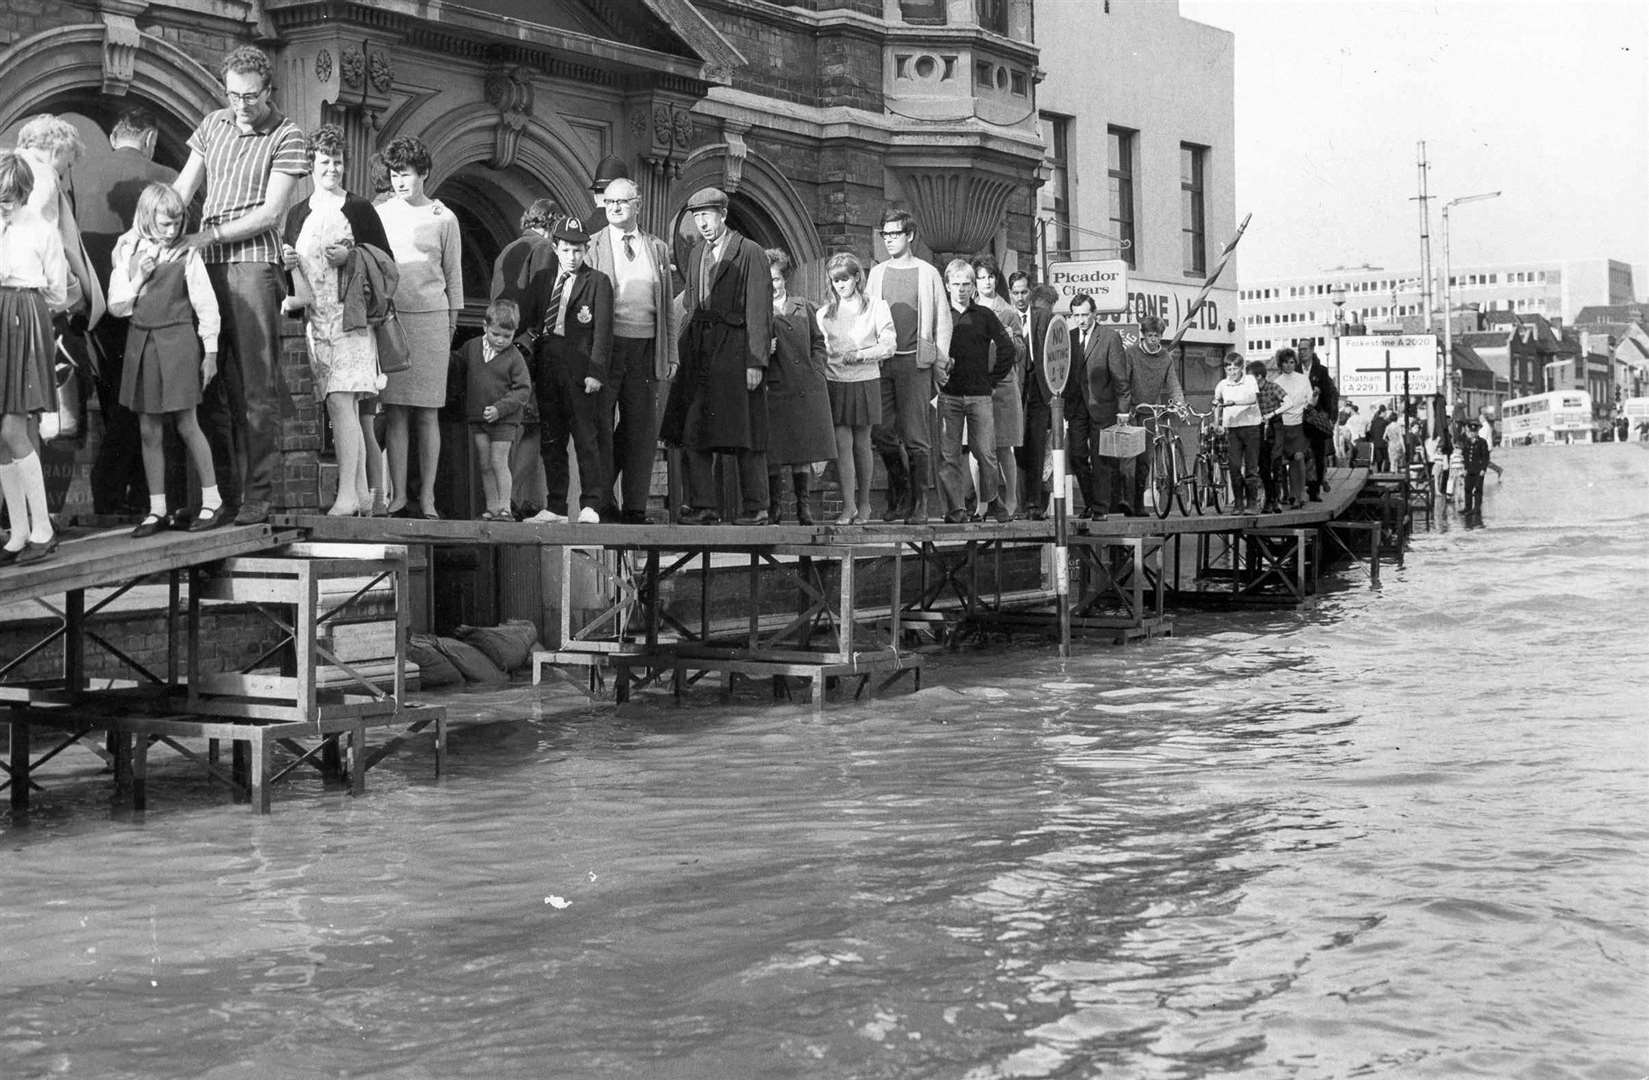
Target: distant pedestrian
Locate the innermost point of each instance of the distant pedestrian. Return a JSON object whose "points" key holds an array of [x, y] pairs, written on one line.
{"points": [[1475, 456], [1237, 412]]}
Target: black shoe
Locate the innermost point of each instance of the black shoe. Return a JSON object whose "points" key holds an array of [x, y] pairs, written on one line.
{"points": [[1124, 509], [1094, 513], [150, 525], [957, 517], [758, 518], [208, 519], [1314, 498], [632, 517], [254, 512], [997, 511], [699, 515], [33, 552], [8, 556]]}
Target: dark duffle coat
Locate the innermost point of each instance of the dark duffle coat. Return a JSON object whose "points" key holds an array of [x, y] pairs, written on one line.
{"points": [[727, 333], [798, 404]]}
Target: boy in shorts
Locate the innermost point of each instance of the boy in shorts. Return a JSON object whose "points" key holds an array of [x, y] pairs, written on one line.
{"points": [[496, 387]]}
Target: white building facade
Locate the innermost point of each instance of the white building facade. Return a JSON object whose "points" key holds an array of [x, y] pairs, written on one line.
{"points": [[1281, 311], [1139, 126]]}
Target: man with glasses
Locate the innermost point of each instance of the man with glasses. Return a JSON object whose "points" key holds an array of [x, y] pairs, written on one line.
{"points": [[250, 157], [915, 293], [644, 347], [966, 380]]}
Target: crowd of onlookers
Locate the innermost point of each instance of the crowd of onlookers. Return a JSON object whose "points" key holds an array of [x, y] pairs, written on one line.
{"points": [[596, 347]]}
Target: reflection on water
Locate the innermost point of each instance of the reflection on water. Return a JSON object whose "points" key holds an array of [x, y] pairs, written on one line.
{"points": [[1398, 832]]}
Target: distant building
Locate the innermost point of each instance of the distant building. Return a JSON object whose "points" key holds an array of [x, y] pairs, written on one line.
{"points": [[1139, 127], [1280, 311]]}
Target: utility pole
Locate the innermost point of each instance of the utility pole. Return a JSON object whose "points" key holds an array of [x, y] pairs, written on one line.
{"points": [[1424, 200]]}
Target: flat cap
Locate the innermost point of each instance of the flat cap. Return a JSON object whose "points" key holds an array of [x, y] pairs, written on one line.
{"points": [[570, 230], [710, 198]]}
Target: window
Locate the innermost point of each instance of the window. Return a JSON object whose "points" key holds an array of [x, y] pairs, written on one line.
{"points": [[1054, 200], [923, 12], [1193, 209], [993, 15], [1119, 178]]}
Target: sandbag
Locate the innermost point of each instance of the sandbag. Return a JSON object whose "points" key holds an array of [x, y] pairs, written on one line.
{"points": [[472, 662], [509, 645], [434, 669]]}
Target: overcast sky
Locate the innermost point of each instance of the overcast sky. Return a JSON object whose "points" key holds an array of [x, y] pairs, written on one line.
{"points": [[1547, 102]]}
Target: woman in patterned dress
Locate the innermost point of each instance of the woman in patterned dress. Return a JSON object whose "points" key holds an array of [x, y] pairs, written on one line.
{"points": [[320, 231]]}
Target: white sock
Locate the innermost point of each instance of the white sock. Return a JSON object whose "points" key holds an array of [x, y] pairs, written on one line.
{"points": [[11, 482], [34, 489], [157, 505], [209, 498]]}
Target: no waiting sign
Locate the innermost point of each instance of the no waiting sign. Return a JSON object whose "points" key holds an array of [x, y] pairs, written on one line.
{"points": [[1375, 365]]}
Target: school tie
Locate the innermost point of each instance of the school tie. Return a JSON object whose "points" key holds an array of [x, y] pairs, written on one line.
{"points": [[555, 302], [629, 246]]}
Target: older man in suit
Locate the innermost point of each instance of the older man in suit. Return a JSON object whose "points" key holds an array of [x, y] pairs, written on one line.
{"points": [[717, 402], [644, 347]]}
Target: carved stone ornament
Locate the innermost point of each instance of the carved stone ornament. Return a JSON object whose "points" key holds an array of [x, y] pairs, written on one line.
{"points": [[662, 124], [638, 123], [683, 129], [120, 45], [323, 65], [353, 68], [732, 169], [383, 72], [510, 91]]}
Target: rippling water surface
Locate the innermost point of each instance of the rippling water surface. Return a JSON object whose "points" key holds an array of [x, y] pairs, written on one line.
{"points": [[1399, 832]]}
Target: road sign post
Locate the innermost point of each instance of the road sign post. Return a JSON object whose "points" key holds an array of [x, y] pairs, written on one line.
{"points": [[1056, 369]]}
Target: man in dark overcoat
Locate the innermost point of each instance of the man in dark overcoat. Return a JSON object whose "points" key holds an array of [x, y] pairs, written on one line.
{"points": [[1104, 367], [717, 403]]}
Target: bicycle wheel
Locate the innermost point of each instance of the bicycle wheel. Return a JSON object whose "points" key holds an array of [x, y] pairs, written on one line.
{"points": [[1211, 477], [1164, 475]]}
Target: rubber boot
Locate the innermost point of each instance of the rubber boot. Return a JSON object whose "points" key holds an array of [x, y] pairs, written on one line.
{"points": [[918, 512], [803, 482], [898, 488], [773, 501]]}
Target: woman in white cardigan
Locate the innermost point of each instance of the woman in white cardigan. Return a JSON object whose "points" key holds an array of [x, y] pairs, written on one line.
{"points": [[859, 335]]}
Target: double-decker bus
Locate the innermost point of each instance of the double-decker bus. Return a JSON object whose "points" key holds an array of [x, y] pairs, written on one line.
{"points": [[1563, 416]]}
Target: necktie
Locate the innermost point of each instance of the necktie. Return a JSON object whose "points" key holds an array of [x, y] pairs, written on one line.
{"points": [[629, 248], [709, 265], [555, 302]]}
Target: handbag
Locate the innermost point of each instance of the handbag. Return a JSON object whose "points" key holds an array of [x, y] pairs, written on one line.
{"points": [[391, 336], [1319, 420]]}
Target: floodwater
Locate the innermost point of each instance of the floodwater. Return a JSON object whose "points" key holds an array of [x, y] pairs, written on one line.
{"points": [[1399, 832]]}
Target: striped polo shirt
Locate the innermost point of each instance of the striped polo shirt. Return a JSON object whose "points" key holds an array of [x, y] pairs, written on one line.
{"points": [[238, 166]]}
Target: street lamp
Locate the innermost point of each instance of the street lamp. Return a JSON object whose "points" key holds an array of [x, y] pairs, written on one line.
{"points": [[1448, 303], [1337, 297]]}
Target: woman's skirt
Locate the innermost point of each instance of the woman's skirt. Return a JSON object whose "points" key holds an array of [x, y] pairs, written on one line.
{"points": [[429, 341], [26, 383], [855, 404], [161, 373]]}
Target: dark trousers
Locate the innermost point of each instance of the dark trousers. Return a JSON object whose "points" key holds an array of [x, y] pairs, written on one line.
{"points": [[630, 393], [1474, 493], [1079, 453], [906, 423], [1271, 457], [1033, 493], [1318, 448], [248, 410], [1242, 460], [566, 411], [700, 466], [118, 483]]}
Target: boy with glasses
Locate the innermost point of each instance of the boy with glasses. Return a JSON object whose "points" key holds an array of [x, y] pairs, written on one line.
{"points": [[914, 292]]}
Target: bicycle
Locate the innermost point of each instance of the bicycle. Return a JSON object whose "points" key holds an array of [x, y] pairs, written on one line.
{"points": [[1210, 471], [1164, 458]]}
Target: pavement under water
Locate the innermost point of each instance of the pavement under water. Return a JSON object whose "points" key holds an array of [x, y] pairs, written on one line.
{"points": [[1399, 831]]}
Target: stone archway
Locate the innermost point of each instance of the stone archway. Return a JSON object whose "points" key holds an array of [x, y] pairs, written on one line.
{"points": [[76, 68]]}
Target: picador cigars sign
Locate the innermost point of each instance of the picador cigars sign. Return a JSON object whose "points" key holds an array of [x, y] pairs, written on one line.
{"points": [[1120, 301]]}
